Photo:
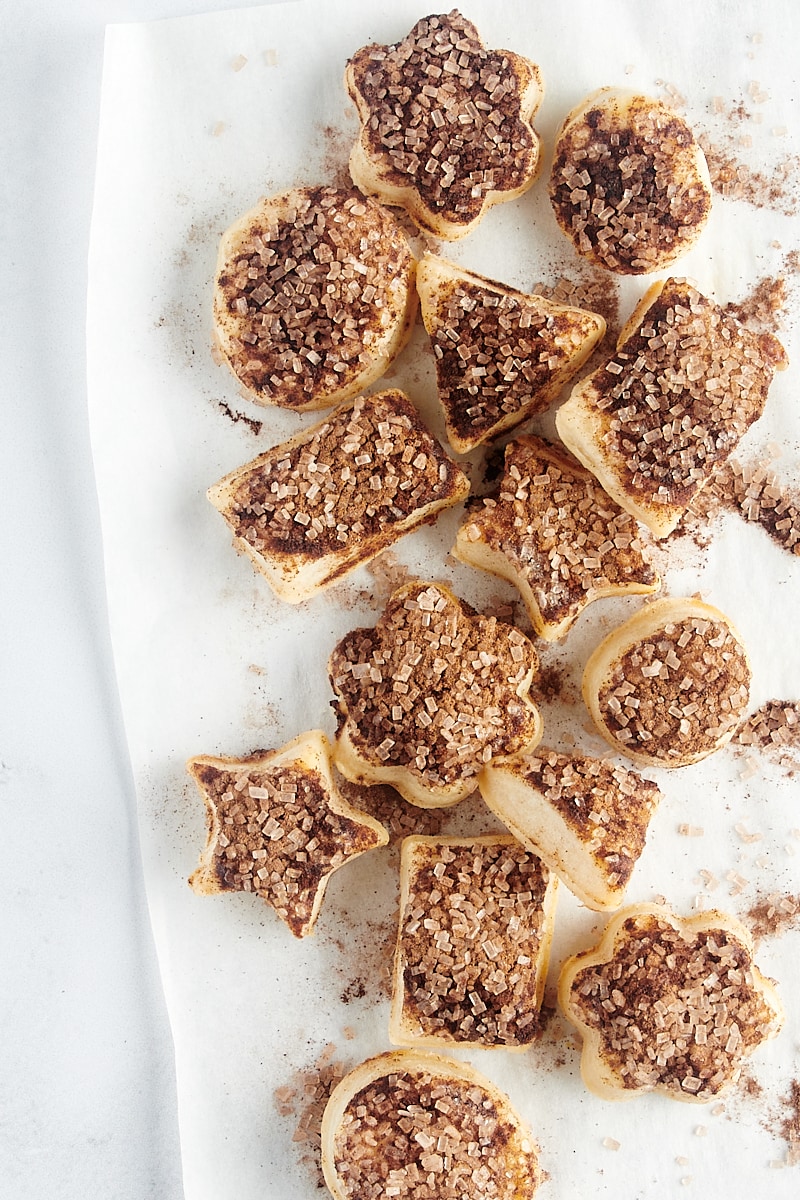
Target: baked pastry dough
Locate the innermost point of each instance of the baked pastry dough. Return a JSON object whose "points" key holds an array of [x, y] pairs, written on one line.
{"points": [[670, 685], [314, 296], [445, 124], [686, 382], [473, 942], [430, 695], [553, 532], [668, 1004], [413, 1124], [629, 184], [278, 826], [502, 356], [313, 508], [584, 817]]}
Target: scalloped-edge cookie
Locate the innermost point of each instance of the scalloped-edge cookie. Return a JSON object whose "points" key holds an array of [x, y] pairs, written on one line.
{"points": [[473, 943], [668, 1004], [686, 382], [445, 124], [554, 533], [411, 1123], [502, 356], [314, 297], [430, 694], [332, 497], [585, 817], [671, 684], [278, 826], [629, 184]]}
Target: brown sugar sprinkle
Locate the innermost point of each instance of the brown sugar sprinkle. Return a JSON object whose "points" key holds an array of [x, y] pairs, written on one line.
{"points": [[681, 391], [278, 836], [773, 914], [678, 692], [434, 686], [775, 726], [559, 530], [776, 190], [596, 291], [495, 351], [312, 294], [371, 465], [415, 1134], [674, 1010], [469, 940], [445, 116], [755, 491], [789, 1125], [608, 805], [306, 1098], [627, 191]]}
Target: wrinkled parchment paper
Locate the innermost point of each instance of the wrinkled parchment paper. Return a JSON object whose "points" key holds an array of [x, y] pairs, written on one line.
{"points": [[200, 117]]}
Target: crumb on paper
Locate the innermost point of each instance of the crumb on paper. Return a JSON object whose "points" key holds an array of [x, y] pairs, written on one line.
{"points": [[691, 830], [238, 63], [611, 1143], [271, 58], [219, 128]]}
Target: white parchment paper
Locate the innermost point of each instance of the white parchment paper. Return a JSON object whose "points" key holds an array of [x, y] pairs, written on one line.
{"points": [[200, 117]]}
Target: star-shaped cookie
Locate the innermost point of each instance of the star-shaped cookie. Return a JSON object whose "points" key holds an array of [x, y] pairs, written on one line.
{"points": [[557, 536], [668, 1003], [278, 826], [445, 124], [501, 355], [430, 695]]}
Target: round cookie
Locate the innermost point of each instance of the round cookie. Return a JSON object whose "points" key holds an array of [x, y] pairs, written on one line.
{"points": [[403, 1115], [314, 296], [629, 184], [670, 685]]}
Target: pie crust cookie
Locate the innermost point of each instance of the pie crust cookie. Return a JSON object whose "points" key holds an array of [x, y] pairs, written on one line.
{"points": [[586, 818], [278, 826], [553, 532], [686, 382], [445, 124], [314, 297], [502, 356], [668, 1004], [430, 695], [414, 1124], [311, 509], [629, 184], [473, 943], [670, 685]]}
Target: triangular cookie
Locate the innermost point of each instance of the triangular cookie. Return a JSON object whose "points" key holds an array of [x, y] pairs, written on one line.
{"points": [[501, 355]]}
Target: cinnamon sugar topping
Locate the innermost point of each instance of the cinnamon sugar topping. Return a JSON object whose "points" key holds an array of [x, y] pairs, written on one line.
{"points": [[364, 471], [625, 184], [681, 391], [434, 687], [309, 293], [443, 116], [677, 693], [560, 533], [416, 1134], [471, 935], [674, 1009]]}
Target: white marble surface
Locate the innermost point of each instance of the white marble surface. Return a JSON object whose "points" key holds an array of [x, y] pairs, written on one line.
{"points": [[87, 1089]]}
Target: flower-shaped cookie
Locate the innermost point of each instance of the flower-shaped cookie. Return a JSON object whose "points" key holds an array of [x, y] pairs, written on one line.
{"points": [[668, 1004], [557, 536], [431, 695], [445, 124], [278, 826]]}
